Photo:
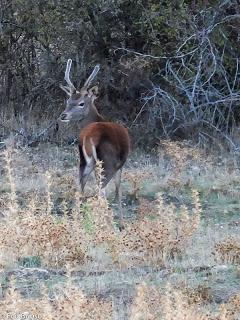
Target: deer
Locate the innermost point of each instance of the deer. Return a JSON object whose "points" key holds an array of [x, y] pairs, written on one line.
{"points": [[99, 139]]}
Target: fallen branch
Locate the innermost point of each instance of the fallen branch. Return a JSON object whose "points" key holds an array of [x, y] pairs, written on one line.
{"points": [[35, 140], [42, 133]]}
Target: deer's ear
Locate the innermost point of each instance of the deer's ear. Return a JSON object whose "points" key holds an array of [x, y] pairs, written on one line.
{"points": [[93, 92]]}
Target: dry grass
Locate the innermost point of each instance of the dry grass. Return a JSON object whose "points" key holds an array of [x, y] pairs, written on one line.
{"points": [[68, 303], [228, 250], [57, 240], [151, 304], [163, 247], [136, 180], [154, 238]]}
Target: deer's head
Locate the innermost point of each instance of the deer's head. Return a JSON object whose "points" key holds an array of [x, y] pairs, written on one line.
{"points": [[80, 102]]}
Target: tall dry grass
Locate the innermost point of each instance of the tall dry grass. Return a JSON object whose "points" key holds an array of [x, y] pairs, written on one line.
{"points": [[170, 303], [31, 227]]}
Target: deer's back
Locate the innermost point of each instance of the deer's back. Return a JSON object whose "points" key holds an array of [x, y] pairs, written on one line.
{"points": [[113, 138]]}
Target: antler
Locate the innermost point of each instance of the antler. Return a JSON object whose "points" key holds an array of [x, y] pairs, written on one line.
{"points": [[70, 89], [92, 76]]}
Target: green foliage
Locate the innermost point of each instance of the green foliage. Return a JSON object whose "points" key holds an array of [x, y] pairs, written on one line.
{"points": [[88, 223], [30, 262]]}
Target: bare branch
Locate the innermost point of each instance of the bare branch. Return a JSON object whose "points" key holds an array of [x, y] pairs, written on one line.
{"points": [[199, 93], [155, 57]]}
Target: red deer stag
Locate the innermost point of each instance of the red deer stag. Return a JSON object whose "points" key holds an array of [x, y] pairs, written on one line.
{"points": [[105, 141]]}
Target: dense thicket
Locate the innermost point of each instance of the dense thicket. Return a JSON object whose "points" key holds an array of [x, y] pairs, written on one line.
{"points": [[167, 67]]}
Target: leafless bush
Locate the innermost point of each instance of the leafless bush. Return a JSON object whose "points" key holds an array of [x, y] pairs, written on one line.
{"points": [[195, 91]]}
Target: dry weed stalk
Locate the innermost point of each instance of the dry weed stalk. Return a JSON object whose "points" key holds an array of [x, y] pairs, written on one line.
{"points": [[69, 303], [201, 294], [12, 201], [35, 231], [56, 240], [150, 302], [162, 235], [136, 180], [228, 250], [169, 303], [143, 306], [181, 155], [104, 231], [99, 176], [67, 181], [102, 215], [231, 309], [146, 206], [44, 236], [188, 224], [49, 203], [73, 304]]}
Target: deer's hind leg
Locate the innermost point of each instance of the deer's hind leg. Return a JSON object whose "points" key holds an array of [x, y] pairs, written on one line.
{"points": [[118, 195], [85, 169], [109, 171], [118, 190], [112, 165], [84, 173]]}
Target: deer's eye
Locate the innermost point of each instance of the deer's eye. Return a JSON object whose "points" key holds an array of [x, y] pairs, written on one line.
{"points": [[81, 104]]}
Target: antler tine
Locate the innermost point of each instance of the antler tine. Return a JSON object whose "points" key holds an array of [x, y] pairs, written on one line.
{"points": [[67, 78], [92, 76]]}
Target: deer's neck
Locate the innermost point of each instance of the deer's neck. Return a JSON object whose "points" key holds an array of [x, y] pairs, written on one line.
{"points": [[93, 116]]}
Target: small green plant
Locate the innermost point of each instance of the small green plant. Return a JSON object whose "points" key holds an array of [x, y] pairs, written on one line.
{"points": [[30, 262], [88, 223]]}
